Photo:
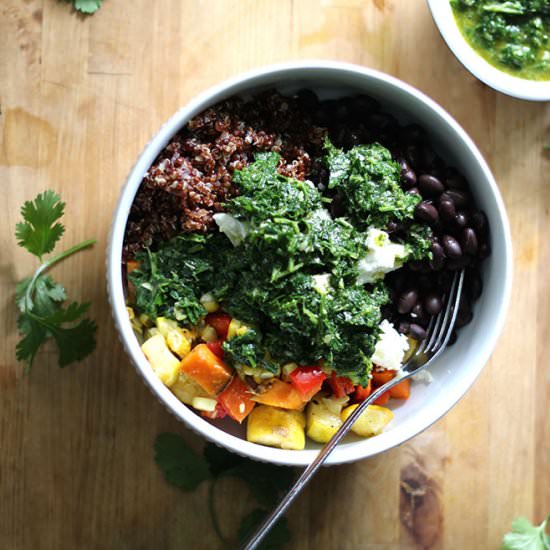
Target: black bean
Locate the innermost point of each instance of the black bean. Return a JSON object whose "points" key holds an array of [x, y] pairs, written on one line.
{"points": [[451, 246], [429, 158], [430, 185], [403, 327], [413, 133], [427, 212], [458, 263], [307, 100], [463, 317], [363, 105], [447, 210], [460, 198], [453, 338], [382, 121], [433, 304], [484, 251], [479, 221], [407, 301], [454, 179], [412, 154], [418, 315], [469, 241], [408, 179], [424, 282], [474, 285], [438, 257], [417, 332], [444, 280], [391, 227], [413, 191], [462, 219]]}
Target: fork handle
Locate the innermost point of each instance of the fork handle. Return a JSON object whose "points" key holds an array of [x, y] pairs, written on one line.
{"points": [[308, 473]]}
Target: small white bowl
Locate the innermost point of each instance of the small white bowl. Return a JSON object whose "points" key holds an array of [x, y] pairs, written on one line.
{"points": [[521, 88], [458, 367]]}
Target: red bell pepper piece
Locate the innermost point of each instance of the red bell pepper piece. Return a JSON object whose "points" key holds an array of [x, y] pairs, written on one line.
{"points": [[340, 385], [216, 348], [218, 412], [307, 380], [383, 399], [220, 321], [236, 399]]}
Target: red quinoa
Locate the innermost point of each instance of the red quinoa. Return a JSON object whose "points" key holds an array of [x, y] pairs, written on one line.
{"points": [[192, 177]]}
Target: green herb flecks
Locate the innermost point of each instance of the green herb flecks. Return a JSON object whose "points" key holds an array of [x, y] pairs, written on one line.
{"points": [[293, 276], [368, 179], [513, 35], [39, 298], [87, 7]]}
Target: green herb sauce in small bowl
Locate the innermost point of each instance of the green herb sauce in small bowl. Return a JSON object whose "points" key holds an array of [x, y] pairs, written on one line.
{"points": [[511, 35]]}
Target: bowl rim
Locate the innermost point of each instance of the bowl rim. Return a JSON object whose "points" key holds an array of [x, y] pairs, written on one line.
{"points": [[345, 453], [520, 88]]}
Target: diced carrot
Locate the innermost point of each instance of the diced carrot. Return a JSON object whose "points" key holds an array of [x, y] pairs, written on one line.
{"points": [[401, 390], [379, 378], [362, 393], [383, 399], [280, 394], [237, 400], [207, 369]]}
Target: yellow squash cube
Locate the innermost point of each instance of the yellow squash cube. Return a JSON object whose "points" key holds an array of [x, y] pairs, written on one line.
{"points": [[371, 422], [276, 427], [186, 390], [323, 417], [165, 364]]}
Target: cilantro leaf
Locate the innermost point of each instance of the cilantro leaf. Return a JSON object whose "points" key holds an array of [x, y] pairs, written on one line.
{"points": [[265, 481], [181, 467], [39, 298], [219, 460], [525, 536], [275, 539], [87, 7], [39, 232], [34, 335]]}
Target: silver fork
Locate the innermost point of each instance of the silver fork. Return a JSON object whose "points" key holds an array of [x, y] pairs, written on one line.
{"points": [[439, 331]]}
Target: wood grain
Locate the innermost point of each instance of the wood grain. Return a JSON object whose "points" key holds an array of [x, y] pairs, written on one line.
{"points": [[79, 98]]}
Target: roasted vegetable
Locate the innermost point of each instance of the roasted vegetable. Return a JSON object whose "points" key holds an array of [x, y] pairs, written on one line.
{"points": [[186, 389], [281, 394], [236, 399], [207, 369], [371, 422], [165, 364], [276, 427], [323, 417]]}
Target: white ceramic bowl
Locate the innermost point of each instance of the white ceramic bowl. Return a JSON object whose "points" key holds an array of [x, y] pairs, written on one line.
{"points": [[503, 82], [458, 367]]}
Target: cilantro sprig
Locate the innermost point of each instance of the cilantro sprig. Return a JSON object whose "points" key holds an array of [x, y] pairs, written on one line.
{"points": [[87, 7], [40, 300], [186, 470], [525, 536]]}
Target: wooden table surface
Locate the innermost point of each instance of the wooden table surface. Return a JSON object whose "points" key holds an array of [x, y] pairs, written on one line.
{"points": [[79, 98]]}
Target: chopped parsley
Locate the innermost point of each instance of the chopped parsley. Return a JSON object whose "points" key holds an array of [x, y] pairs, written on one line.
{"points": [[286, 268]]}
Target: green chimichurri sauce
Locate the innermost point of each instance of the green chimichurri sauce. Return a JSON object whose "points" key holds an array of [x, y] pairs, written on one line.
{"points": [[512, 35]]}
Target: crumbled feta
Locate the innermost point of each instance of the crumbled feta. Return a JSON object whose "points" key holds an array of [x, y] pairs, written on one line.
{"points": [[390, 348], [382, 257], [321, 283], [235, 230], [424, 376]]}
